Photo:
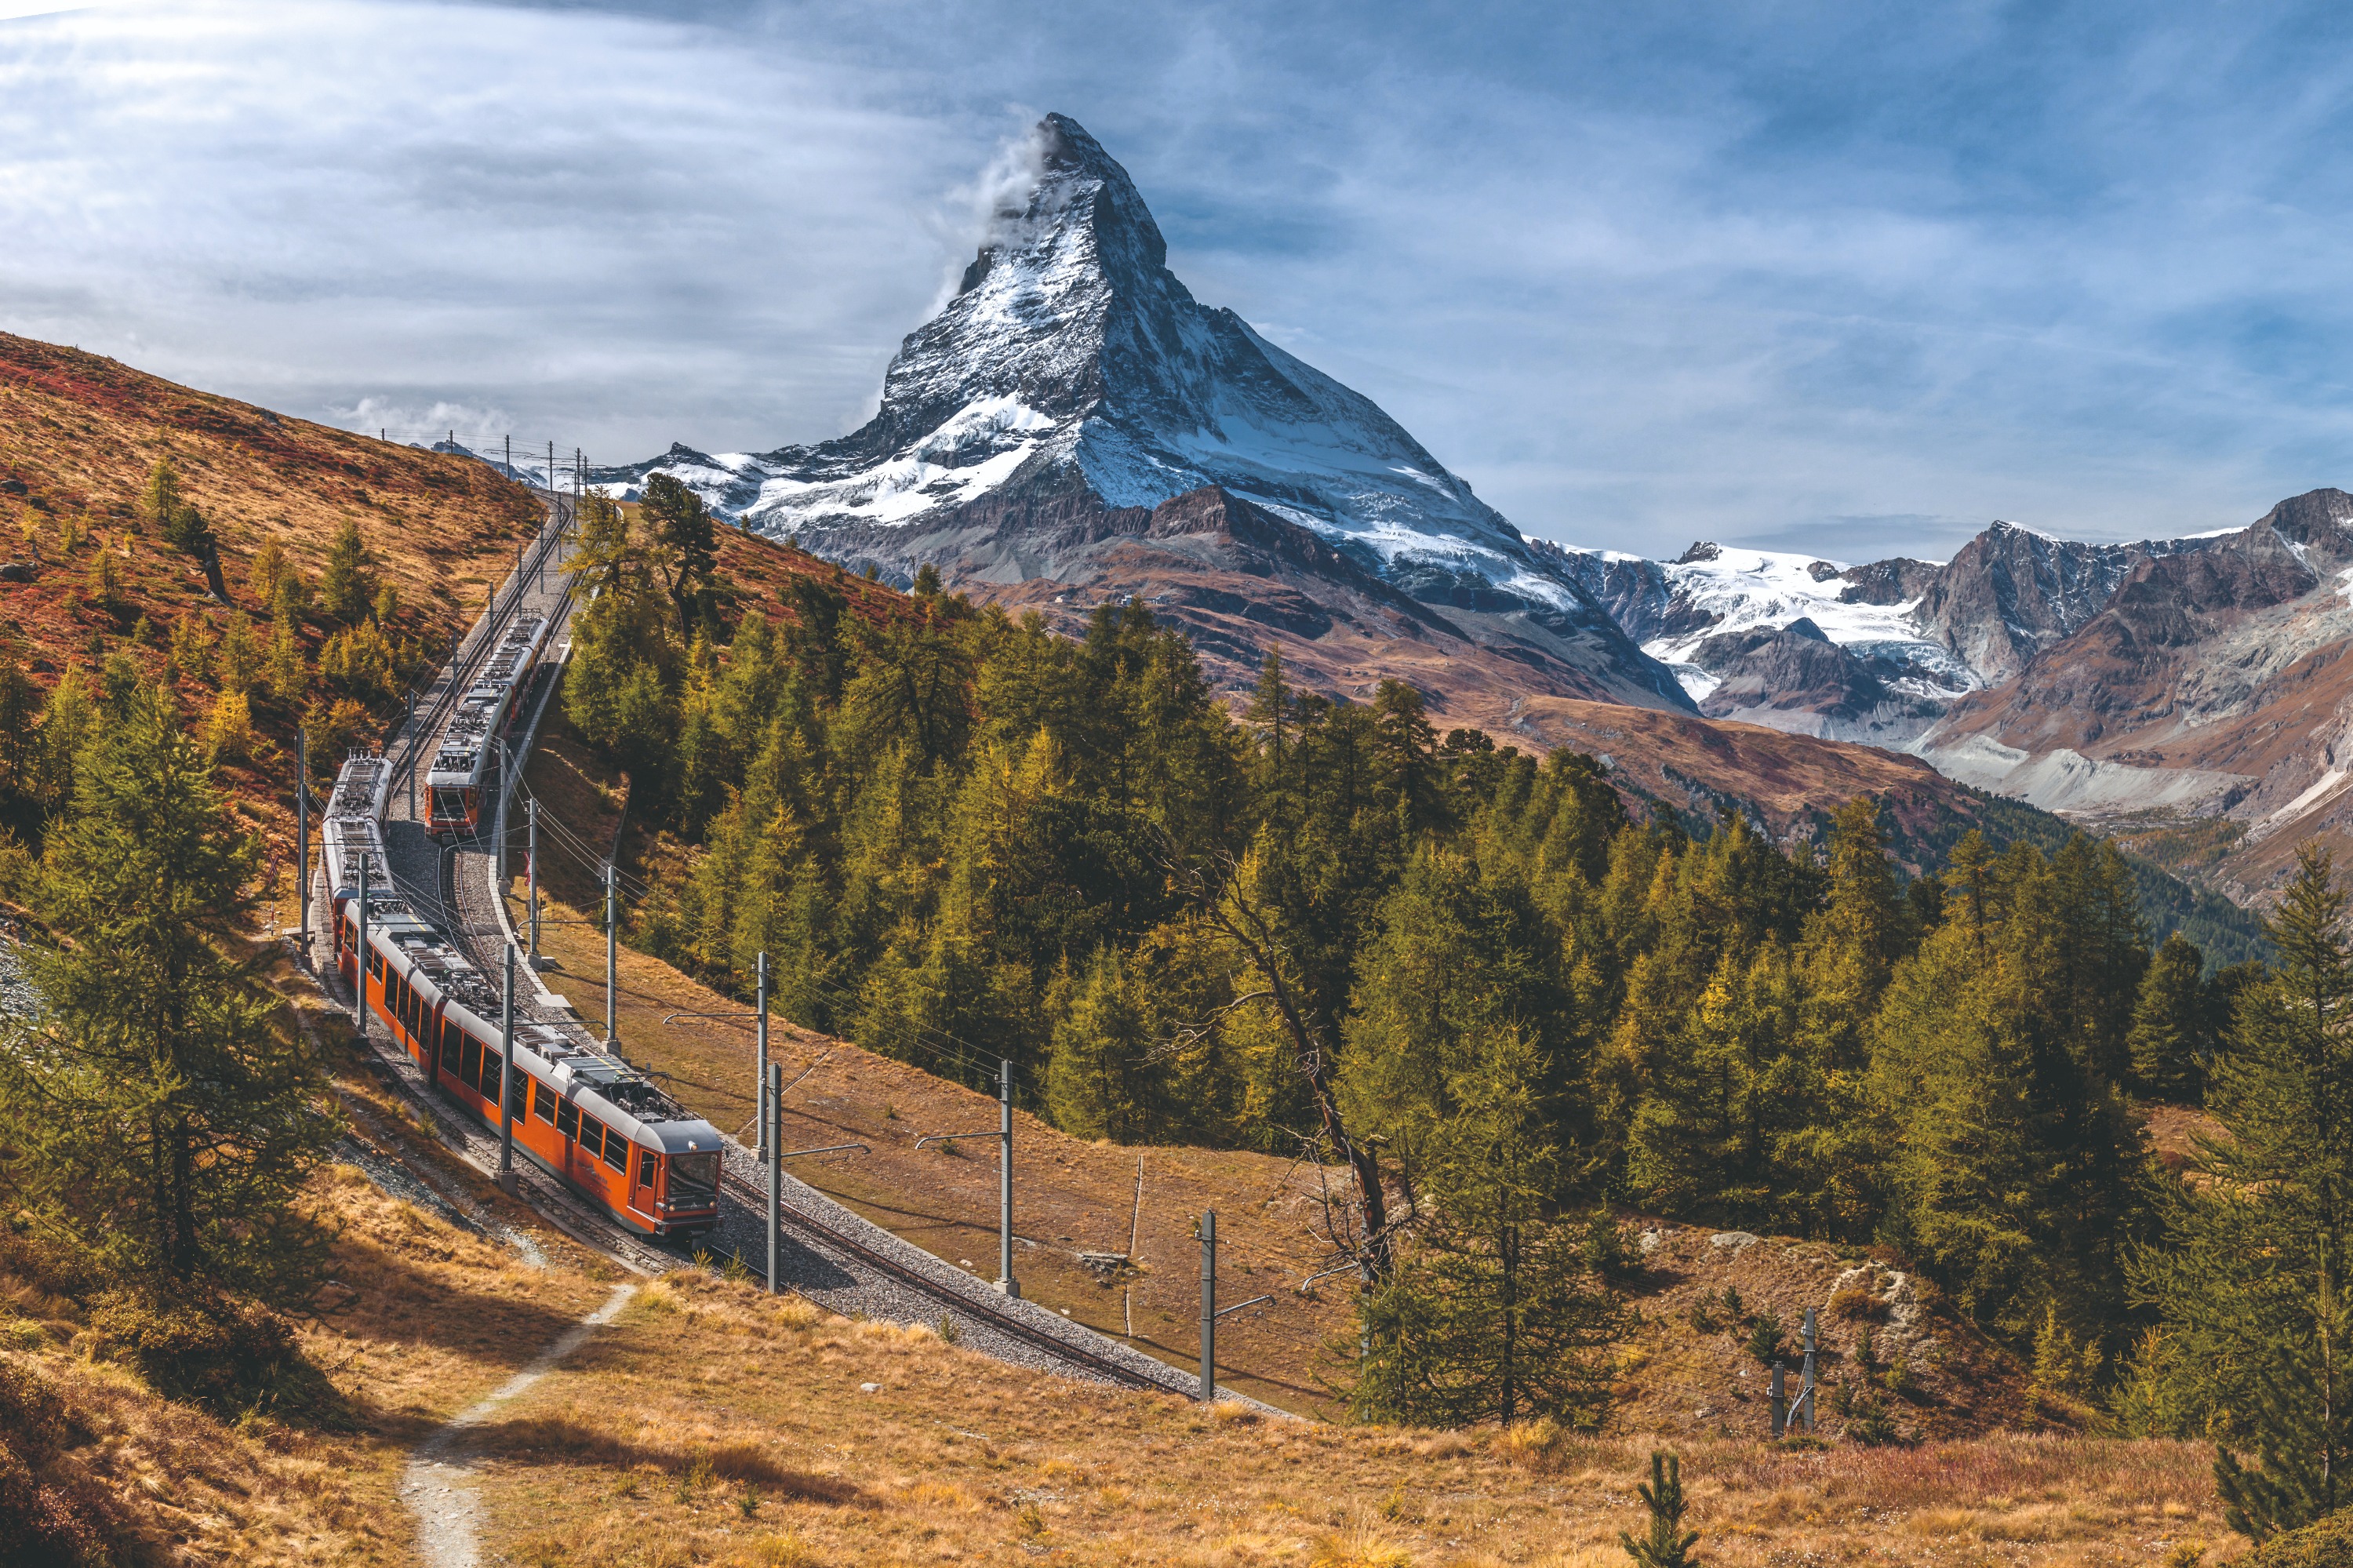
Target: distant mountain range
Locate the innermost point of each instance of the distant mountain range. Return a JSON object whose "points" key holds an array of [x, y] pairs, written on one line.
{"points": [[1074, 429], [2193, 693], [1877, 653]]}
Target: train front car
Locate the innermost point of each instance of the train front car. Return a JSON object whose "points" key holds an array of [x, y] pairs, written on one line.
{"points": [[483, 717], [616, 1137]]}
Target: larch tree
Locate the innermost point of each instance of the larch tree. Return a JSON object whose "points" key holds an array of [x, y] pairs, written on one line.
{"points": [[348, 586], [161, 1118], [2168, 1038], [2250, 1275]]}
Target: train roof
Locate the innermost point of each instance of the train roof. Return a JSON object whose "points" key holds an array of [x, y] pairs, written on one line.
{"points": [[459, 756], [354, 817]]}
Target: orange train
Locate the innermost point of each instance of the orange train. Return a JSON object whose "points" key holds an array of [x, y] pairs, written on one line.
{"points": [[580, 1112]]}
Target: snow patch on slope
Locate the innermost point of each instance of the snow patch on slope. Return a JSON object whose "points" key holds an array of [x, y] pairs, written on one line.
{"points": [[1740, 590]]}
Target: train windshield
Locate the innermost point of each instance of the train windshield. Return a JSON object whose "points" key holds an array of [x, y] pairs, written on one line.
{"points": [[693, 1181], [449, 805]]}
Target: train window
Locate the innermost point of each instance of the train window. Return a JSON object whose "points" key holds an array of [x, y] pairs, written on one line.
{"points": [[452, 1043], [693, 1181], [469, 1069], [567, 1118], [617, 1151], [518, 1086], [648, 1163], [592, 1136], [490, 1079], [543, 1102]]}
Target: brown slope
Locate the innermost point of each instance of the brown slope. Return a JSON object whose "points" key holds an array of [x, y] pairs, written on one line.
{"points": [[1789, 784], [1240, 579], [79, 434]]}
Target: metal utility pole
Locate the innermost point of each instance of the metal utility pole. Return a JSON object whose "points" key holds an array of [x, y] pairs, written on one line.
{"points": [[772, 1090], [1209, 1306], [359, 1008], [550, 470], [410, 731], [1005, 1280], [510, 455], [506, 1077], [530, 869], [1806, 1378], [612, 931], [303, 843], [1780, 1410], [763, 1148]]}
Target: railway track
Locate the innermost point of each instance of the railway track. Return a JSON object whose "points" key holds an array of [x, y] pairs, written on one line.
{"points": [[1005, 1323]]}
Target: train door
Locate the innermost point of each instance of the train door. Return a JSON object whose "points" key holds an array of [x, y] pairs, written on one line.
{"points": [[648, 1174]]}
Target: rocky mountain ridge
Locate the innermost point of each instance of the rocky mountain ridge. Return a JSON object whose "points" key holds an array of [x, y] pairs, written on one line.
{"points": [[2212, 688], [1894, 643]]}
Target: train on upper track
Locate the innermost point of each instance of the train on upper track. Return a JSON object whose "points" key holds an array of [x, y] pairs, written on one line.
{"points": [[579, 1111], [483, 717]]}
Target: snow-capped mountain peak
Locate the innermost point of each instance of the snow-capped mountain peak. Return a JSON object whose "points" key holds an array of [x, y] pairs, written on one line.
{"points": [[1676, 608], [1071, 366]]}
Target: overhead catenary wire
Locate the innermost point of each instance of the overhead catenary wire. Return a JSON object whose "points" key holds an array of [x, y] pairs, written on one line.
{"points": [[917, 1040]]}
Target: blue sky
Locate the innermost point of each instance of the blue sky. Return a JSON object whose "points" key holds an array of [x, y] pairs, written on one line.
{"points": [[1846, 280]]}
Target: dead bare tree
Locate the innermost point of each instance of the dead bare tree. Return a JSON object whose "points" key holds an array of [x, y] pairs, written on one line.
{"points": [[1367, 1234]]}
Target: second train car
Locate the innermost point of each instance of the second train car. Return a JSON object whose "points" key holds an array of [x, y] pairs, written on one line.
{"points": [[484, 717]]}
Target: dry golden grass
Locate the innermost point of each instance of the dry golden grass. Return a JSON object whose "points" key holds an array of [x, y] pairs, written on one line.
{"points": [[713, 1425], [419, 1319]]}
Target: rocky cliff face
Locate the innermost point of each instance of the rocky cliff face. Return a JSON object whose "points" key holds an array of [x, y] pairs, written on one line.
{"points": [[2011, 592], [1073, 384], [1795, 678], [2213, 686]]}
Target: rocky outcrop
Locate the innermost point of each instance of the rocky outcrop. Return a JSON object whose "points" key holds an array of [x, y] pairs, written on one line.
{"points": [[2011, 592], [2215, 683], [1795, 678]]}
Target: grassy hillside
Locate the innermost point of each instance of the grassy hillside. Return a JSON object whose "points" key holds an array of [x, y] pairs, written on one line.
{"points": [[79, 437]]}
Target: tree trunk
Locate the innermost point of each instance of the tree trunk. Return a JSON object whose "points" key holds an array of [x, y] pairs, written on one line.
{"points": [[1509, 1248]]}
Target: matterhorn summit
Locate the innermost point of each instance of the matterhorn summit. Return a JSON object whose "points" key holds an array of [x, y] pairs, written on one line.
{"points": [[1033, 432]]}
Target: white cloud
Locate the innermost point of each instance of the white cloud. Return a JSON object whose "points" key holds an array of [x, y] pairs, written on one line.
{"points": [[607, 224], [1641, 275]]}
